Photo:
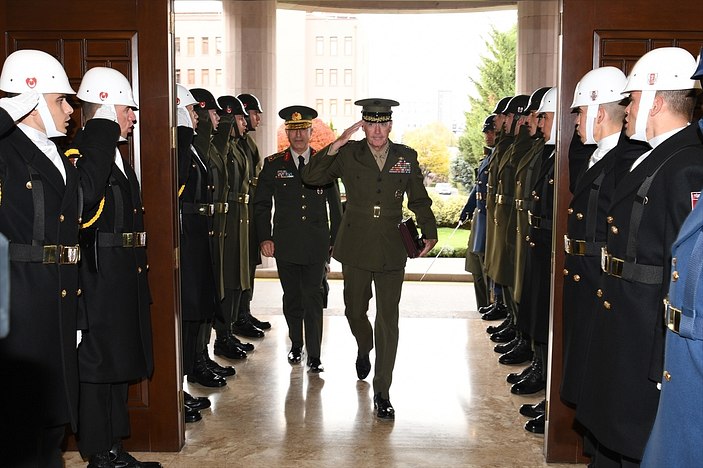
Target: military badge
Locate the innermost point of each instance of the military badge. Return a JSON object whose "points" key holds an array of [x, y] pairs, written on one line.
{"points": [[284, 174], [31, 82], [103, 95], [652, 78], [594, 95], [694, 199], [400, 167], [320, 190]]}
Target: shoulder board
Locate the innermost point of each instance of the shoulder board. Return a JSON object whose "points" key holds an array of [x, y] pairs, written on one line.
{"points": [[273, 157]]}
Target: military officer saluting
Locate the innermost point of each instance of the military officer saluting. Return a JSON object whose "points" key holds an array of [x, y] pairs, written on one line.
{"points": [[377, 174], [302, 236]]}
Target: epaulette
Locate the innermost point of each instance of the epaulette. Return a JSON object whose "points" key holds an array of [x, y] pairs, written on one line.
{"points": [[273, 157]]}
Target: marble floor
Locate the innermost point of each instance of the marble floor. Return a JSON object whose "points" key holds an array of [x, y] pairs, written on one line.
{"points": [[453, 406]]}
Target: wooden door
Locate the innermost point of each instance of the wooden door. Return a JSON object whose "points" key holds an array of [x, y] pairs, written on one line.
{"points": [[134, 37], [598, 33]]}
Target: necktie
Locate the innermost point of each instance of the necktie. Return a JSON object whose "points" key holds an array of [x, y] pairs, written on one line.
{"points": [[301, 163]]}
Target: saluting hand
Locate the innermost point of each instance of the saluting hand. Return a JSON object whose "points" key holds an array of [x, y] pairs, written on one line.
{"points": [[267, 248], [429, 243], [345, 136], [20, 105]]}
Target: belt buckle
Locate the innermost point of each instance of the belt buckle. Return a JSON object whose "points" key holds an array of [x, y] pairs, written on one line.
{"points": [[604, 260], [210, 208], [567, 244], [225, 207], [140, 239], [253, 181], [61, 254], [499, 199], [479, 196], [615, 266], [519, 204], [128, 239], [672, 316], [243, 198], [376, 211]]}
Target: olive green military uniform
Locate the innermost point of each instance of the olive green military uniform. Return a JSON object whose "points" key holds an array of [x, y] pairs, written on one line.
{"points": [[368, 243], [504, 141]]}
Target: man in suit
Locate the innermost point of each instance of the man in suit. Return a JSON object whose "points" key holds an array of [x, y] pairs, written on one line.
{"points": [[377, 174], [39, 215], [116, 348], [302, 236], [619, 393]]}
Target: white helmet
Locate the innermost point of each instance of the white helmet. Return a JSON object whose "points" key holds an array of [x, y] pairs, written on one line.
{"points": [[183, 97], [101, 85], [34, 70], [600, 86], [549, 101], [663, 69]]}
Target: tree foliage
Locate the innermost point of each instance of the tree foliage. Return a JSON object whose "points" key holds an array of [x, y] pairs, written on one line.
{"points": [[432, 144], [496, 79], [322, 135]]}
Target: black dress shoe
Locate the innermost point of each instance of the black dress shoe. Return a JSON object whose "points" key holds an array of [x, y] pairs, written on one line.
{"points": [[496, 328], [259, 324], [123, 459], [295, 355], [515, 377], [227, 347], [204, 376], [101, 460], [533, 381], [505, 347], [246, 328], [488, 308], [500, 312], [363, 366], [197, 403], [383, 406], [506, 335], [532, 411], [239, 344], [536, 425], [222, 371], [315, 365], [522, 352], [191, 414]]}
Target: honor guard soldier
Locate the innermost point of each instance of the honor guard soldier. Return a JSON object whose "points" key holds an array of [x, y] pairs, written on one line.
{"points": [[475, 211], [246, 324], [619, 392], [235, 254], [678, 429], [198, 293], [116, 348], [377, 175], [39, 215], [217, 186], [302, 235]]}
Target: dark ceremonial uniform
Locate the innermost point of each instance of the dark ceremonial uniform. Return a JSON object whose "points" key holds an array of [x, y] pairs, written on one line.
{"points": [[619, 395], [586, 233], [116, 348], [368, 243], [302, 235]]}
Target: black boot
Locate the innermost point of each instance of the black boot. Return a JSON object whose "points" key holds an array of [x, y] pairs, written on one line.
{"points": [[533, 381], [532, 411], [122, 459], [222, 371], [488, 308], [515, 377], [522, 352], [101, 460], [506, 335], [191, 414], [239, 344], [196, 403], [244, 327], [496, 328], [383, 406], [506, 347], [204, 376], [226, 347], [499, 312], [259, 324], [536, 425]]}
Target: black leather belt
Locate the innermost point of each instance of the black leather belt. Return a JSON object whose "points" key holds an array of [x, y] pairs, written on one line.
{"points": [[539, 222], [122, 239], [646, 274], [47, 254], [376, 211], [203, 209], [581, 247]]}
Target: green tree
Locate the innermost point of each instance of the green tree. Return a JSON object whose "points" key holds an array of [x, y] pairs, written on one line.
{"points": [[432, 144], [496, 79]]}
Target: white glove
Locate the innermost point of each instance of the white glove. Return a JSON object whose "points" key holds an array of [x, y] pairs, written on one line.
{"points": [[184, 117], [107, 112], [20, 105]]}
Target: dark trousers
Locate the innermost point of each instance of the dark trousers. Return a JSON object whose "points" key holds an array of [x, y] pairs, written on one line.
{"points": [[243, 312], [189, 338], [103, 416], [474, 265], [357, 293], [302, 303], [228, 312]]}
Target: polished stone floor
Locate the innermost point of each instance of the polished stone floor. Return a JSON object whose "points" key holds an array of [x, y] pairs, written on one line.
{"points": [[453, 406]]}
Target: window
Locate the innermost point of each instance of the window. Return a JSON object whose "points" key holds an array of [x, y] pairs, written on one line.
{"points": [[347, 77], [320, 106], [333, 45], [218, 77], [178, 46], [218, 45], [347, 107], [191, 46], [191, 76], [205, 76], [206, 45], [333, 77], [319, 77], [178, 75], [333, 107], [319, 45], [347, 45]]}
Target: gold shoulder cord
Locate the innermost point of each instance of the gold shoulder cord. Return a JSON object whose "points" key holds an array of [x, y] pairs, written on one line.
{"points": [[74, 154], [180, 190]]}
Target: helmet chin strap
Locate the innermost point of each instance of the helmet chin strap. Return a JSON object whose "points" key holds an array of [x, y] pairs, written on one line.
{"points": [[47, 119], [553, 134], [591, 115], [646, 103]]}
